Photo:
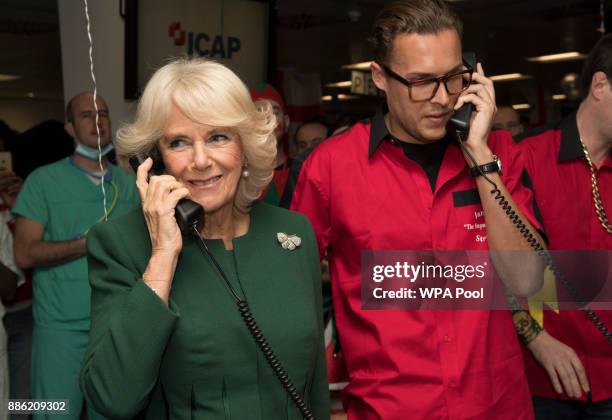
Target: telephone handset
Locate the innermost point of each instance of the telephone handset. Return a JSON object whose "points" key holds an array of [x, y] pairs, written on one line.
{"points": [[188, 213], [461, 117]]}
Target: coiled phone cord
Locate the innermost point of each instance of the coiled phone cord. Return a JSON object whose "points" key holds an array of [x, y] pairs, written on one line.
{"points": [[258, 336], [539, 249]]}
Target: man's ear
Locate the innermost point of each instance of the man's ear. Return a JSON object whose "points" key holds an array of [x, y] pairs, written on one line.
{"points": [[599, 84], [70, 129], [287, 121], [378, 76]]}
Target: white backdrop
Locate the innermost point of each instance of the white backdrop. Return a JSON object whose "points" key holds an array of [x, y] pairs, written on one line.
{"points": [[239, 19]]}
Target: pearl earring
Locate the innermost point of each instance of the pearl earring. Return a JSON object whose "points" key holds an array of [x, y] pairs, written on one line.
{"points": [[245, 171]]}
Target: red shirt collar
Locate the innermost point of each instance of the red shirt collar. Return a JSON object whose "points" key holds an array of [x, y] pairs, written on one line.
{"points": [[570, 147], [380, 132]]}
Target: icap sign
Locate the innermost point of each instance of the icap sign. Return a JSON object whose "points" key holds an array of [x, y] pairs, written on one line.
{"points": [[202, 44]]}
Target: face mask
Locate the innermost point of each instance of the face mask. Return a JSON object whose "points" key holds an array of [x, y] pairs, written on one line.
{"points": [[92, 152]]}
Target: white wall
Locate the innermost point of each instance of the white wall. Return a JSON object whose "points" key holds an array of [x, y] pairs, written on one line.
{"points": [[107, 29], [30, 48], [22, 114], [107, 35]]}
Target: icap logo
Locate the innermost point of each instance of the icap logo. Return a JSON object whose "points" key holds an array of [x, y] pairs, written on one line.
{"points": [[201, 43], [176, 33]]}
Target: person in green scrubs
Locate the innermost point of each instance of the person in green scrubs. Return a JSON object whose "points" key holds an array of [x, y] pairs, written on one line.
{"points": [[56, 206], [167, 339]]}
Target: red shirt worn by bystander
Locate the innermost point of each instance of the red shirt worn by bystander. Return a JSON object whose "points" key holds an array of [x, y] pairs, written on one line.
{"points": [[361, 192], [561, 181]]}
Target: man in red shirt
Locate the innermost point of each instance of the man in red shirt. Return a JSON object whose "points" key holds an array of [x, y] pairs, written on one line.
{"points": [[569, 365], [402, 182]]}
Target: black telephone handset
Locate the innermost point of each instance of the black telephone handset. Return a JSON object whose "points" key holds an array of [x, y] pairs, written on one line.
{"points": [[188, 213], [461, 117]]}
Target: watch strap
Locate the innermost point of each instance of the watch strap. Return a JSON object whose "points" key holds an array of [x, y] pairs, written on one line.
{"points": [[487, 168]]}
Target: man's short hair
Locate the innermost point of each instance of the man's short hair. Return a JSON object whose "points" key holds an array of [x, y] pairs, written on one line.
{"points": [[314, 120], [508, 105], [407, 17], [69, 111], [599, 59]]}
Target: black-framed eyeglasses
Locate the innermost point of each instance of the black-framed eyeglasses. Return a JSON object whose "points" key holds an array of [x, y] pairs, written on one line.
{"points": [[425, 89]]}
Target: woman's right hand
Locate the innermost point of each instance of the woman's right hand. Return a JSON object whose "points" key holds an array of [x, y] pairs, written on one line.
{"points": [[160, 195]]}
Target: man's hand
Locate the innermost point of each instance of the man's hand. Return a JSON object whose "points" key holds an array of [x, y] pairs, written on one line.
{"points": [[561, 363], [481, 94], [521, 272]]}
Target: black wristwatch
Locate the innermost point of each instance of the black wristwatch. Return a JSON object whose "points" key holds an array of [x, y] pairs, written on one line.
{"points": [[487, 168]]}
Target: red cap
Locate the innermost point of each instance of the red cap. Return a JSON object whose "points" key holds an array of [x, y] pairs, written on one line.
{"points": [[267, 91]]}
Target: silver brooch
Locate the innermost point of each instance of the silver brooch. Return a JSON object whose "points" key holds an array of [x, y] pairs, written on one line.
{"points": [[289, 242]]}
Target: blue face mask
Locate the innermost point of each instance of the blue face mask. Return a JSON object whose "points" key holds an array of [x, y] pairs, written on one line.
{"points": [[92, 152]]}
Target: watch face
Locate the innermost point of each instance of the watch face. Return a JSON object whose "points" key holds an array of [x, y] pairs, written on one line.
{"points": [[499, 163]]}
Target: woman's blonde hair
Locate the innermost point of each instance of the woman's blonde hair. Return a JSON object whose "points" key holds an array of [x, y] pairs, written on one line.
{"points": [[207, 93]]}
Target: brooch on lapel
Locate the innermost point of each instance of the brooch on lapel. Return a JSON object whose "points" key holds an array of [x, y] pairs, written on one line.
{"points": [[289, 242]]}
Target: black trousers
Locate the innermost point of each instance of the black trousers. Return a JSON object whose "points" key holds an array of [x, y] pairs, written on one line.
{"points": [[550, 409]]}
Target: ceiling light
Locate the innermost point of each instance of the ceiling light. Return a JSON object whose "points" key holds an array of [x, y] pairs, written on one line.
{"points": [[510, 77], [551, 58], [521, 106], [9, 77], [354, 13], [357, 66], [340, 97], [559, 97], [344, 84]]}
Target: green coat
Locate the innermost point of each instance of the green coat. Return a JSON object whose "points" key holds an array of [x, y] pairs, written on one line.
{"points": [[195, 359]]}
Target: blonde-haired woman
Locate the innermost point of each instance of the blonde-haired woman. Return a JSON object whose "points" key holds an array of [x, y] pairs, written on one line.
{"points": [[167, 339]]}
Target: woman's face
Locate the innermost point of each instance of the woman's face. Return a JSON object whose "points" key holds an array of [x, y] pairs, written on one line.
{"points": [[207, 160]]}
